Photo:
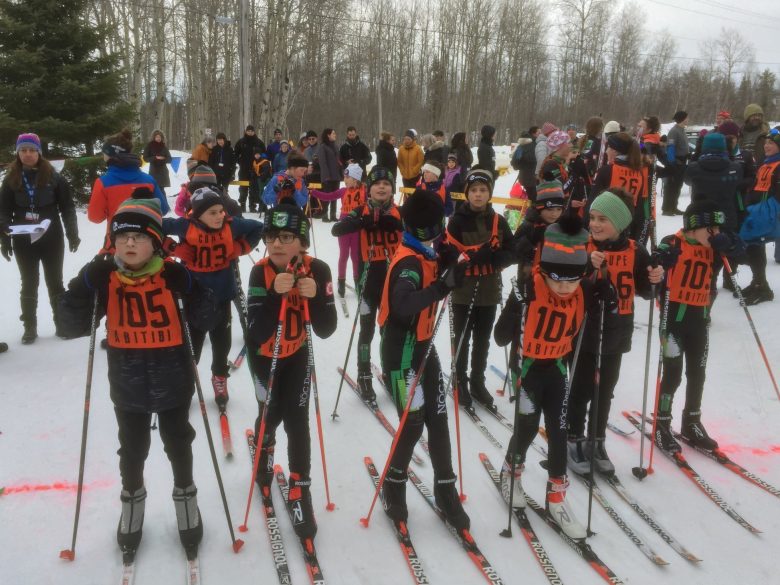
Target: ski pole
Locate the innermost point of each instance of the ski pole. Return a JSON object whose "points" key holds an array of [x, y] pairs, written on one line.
{"points": [[237, 543], [750, 322], [312, 375], [662, 331], [502, 392], [264, 415], [453, 375], [594, 410], [70, 554], [507, 532], [640, 472], [365, 520], [363, 276]]}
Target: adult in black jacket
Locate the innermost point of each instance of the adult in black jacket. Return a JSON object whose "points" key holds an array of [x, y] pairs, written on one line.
{"points": [[486, 154], [385, 153], [354, 150], [330, 169], [460, 146], [158, 156], [31, 192], [524, 160], [244, 153], [223, 162]]}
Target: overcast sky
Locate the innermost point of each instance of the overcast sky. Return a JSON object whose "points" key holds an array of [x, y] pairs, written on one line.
{"points": [[692, 21]]}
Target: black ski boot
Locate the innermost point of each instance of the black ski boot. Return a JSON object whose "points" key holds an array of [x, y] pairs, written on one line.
{"points": [[342, 287], [664, 437], [747, 291], [365, 384], [188, 518], [299, 503], [265, 469], [394, 495], [695, 433], [30, 333], [576, 456], [448, 501], [464, 396], [761, 294], [601, 460], [131, 522], [480, 393]]}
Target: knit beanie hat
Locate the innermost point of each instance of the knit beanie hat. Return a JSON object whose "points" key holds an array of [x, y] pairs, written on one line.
{"points": [[140, 213], [431, 168], [619, 143], [611, 127], [752, 110], [729, 128], [411, 133], [203, 175], [724, 114], [479, 176], [29, 140], [714, 142], [548, 128], [378, 173], [612, 206], [564, 254], [288, 216], [702, 213], [549, 195], [202, 199], [354, 171], [423, 215], [556, 140]]}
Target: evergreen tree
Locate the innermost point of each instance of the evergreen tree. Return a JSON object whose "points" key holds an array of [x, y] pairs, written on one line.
{"points": [[53, 79]]}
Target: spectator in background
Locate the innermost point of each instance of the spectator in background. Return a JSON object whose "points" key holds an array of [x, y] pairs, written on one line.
{"points": [[158, 156], [677, 154], [330, 169], [223, 162], [276, 144], [524, 160], [752, 136], [541, 150], [313, 173], [410, 159], [486, 154], [244, 151], [385, 153], [459, 146], [280, 160], [355, 151], [202, 152], [438, 150]]}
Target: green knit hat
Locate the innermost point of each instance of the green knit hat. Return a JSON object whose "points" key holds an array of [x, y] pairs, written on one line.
{"points": [[140, 213], [614, 209]]}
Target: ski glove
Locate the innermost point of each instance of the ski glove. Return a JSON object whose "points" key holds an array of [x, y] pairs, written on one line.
{"points": [[668, 257], [481, 256], [720, 243], [73, 243], [5, 247], [388, 223], [98, 271], [447, 254], [453, 276], [604, 291], [367, 222], [177, 278]]}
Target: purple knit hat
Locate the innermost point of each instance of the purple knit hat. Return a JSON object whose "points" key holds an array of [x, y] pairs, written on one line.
{"points": [[29, 140], [556, 140]]}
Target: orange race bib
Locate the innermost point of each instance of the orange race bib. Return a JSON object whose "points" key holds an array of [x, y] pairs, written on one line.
{"points": [[462, 248], [620, 267], [378, 244], [552, 322], [691, 278], [211, 251], [352, 199], [635, 182], [764, 177]]}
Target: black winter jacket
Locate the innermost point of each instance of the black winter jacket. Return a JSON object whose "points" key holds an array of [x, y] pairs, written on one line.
{"points": [[716, 179], [222, 161], [386, 157], [244, 153], [355, 151], [486, 154]]}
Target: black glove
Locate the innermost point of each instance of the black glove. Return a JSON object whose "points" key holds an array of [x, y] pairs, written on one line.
{"points": [[177, 278], [448, 255], [388, 223], [604, 291], [97, 272], [483, 255], [523, 288], [720, 243], [453, 276], [73, 243], [668, 257], [5, 247], [367, 221]]}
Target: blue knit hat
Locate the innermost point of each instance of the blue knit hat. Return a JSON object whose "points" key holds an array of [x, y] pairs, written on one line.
{"points": [[714, 142], [29, 140]]}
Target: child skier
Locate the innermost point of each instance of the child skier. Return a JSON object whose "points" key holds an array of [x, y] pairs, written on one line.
{"points": [[261, 174], [352, 196], [692, 252], [431, 181], [627, 265], [415, 284], [296, 170], [287, 238], [209, 237], [149, 363], [483, 235], [379, 224], [546, 210], [555, 303]]}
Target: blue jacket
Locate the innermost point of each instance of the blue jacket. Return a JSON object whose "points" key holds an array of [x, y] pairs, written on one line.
{"points": [[130, 175], [222, 282], [270, 193]]}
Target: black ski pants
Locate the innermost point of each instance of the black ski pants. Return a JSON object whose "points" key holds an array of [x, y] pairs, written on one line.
{"points": [[688, 340], [49, 252], [582, 391], [478, 329], [221, 341]]}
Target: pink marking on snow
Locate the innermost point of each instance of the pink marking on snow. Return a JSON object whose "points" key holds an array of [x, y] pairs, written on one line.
{"points": [[60, 486]]}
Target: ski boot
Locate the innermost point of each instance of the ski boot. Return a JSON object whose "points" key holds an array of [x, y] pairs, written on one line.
{"points": [[299, 503], [265, 469], [366, 386], [664, 438], [464, 396], [188, 518], [342, 287], [30, 333], [747, 291], [481, 394], [601, 460], [559, 510], [131, 522], [761, 294], [518, 500], [220, 390], [448, 501], [577, 459], [394, 495], [694, 432]]}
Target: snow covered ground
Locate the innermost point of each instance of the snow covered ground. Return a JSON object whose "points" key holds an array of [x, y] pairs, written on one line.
{"points": [[42, 395]]}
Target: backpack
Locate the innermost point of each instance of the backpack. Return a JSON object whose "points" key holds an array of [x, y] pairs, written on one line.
{"points": [[761, 223]]}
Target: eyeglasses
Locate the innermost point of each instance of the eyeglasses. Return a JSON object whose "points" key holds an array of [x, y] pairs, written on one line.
{"points": [[138, 238], [284, 238]]}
